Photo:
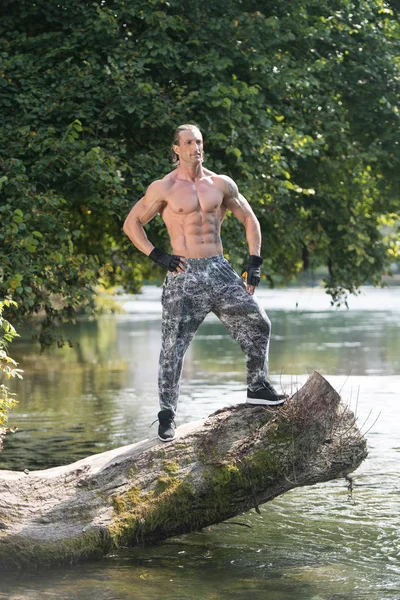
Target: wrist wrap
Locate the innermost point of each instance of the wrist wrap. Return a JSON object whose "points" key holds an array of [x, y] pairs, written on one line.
{"points": [[251, 273], [168, 261]]}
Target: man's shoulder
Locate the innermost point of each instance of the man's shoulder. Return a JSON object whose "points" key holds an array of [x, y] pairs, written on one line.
{"points": [[224, 182], [159, 186], [220, 177]]}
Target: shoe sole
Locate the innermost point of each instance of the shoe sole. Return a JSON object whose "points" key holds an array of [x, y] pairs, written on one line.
{"points": [[167, 439], [263, 402]]}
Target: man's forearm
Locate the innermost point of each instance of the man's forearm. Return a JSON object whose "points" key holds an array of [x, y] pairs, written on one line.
{"points": [[135, 232], [253, 236], [133, 228]]}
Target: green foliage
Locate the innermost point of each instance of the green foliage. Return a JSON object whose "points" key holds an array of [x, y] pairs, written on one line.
{"points": [[7, 366], [297, 102]]}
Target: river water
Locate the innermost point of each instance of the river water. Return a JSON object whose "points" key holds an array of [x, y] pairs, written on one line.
{"points": [[315, 543]]}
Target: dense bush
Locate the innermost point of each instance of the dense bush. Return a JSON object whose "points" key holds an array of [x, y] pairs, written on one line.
{"points": [[7, 367], [297, 102]]}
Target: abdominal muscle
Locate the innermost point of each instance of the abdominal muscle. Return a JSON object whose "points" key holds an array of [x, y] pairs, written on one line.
{"points": [[194, 235]]}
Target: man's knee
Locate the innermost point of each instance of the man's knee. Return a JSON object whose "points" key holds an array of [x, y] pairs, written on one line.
{"points": [[267, 324], [264, 323], [258, 334]]}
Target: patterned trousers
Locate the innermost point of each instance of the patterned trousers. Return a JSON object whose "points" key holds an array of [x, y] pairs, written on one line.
{"points": [[209, 285]]}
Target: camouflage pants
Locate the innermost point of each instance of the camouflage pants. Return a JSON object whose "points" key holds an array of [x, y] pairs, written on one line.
{"points": [[209, 285]]}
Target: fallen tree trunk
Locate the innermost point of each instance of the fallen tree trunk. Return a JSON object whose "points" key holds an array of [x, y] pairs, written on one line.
{"points": [[235, 460]]}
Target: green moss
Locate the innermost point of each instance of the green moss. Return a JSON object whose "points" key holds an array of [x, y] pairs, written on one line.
{"points": [[165, 483], [170, 467], [173, 507], [162, 509], [128, 500], [263, 465], [133, 471], [119, 503], [222, 476], [23, 552], [133, 497]]}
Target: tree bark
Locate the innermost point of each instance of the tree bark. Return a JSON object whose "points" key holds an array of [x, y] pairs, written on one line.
{"points": [[237, 459]]}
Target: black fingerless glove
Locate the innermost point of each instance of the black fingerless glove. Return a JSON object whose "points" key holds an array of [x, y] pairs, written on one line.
{"points": [[251, 272], [168, 261]]}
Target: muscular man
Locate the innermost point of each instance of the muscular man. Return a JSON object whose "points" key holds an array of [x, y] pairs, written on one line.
{"points": [[192, 202]]}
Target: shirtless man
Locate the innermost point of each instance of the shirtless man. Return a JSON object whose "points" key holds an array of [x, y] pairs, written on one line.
{"points": [[192, 202]]}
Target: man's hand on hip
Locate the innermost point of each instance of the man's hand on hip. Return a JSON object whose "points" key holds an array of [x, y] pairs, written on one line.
{"points": [[252, 273], [172, 262]]}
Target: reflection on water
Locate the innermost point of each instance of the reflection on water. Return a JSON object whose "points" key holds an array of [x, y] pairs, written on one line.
{"points": [[312, 543]]}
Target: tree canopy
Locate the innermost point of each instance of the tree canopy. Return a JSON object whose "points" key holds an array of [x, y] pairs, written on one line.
{"points": [[297, 102]]}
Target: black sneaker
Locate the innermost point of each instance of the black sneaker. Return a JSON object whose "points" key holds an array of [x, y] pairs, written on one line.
{"points": [[266, 395], [166, 428]]}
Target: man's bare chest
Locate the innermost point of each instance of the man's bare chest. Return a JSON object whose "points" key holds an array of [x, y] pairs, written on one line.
{"points": [[186, 197]]}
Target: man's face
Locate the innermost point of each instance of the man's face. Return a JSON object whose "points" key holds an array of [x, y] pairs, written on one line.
{"points": [[190, 149]]}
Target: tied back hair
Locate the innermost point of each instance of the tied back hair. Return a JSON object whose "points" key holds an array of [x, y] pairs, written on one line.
{"points": [[175, 142]]}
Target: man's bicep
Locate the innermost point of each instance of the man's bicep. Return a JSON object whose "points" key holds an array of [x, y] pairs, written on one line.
{"points": [[229, 188], [238, 206], [145, 211], [147, 207]]}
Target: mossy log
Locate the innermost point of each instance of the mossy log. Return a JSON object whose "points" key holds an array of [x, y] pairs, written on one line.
{"points": [[235, 460]]}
